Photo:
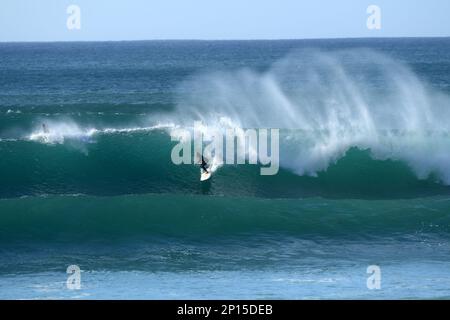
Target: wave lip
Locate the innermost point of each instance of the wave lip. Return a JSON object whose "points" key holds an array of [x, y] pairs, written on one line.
{"points": [[60, 131]]}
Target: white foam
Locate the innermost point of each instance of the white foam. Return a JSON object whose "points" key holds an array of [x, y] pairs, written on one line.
{"points": [[59, 131], [13, 111], [329, 102]]}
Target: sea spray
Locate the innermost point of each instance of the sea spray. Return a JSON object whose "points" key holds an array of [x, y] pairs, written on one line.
{"points": [[328, 102]]}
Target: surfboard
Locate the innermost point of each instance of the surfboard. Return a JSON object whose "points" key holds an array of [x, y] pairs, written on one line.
{"points": [[204, 175]]}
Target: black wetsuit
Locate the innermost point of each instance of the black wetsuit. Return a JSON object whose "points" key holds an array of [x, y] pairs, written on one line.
{"points": [[203, 165]]}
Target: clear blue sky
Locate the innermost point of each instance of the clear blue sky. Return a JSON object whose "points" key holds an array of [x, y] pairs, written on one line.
{"points": [[45, 20]]}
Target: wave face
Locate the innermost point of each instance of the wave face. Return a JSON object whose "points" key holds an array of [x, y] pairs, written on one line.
{"points": [[136, 161]]}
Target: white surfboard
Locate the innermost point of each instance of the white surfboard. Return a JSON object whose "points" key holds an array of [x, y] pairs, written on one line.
{"points": [[204, 175]]}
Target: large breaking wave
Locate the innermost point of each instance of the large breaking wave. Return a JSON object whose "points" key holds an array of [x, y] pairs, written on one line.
{"points": [[336, 110], [328, 103]]}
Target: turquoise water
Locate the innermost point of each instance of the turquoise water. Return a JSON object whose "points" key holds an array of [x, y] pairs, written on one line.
{"points": [[364, 169]]}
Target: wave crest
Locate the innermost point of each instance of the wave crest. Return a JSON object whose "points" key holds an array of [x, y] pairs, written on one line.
{"points": [[328, 102]]}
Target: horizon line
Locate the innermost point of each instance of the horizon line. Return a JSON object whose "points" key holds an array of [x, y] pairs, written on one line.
{"points": [[224, 40]]}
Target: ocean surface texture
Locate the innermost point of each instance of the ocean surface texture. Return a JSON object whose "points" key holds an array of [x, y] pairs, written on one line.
{"points": [[364, 175]]}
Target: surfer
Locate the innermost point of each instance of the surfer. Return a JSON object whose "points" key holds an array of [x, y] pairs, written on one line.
{"points": [[204, 165], [44, 128]]}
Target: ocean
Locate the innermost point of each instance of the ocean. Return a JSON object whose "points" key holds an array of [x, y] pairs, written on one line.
{"points": [[363, 183]]}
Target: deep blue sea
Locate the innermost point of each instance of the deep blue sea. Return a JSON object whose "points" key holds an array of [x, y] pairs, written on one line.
{"points": [[364, 176]]}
